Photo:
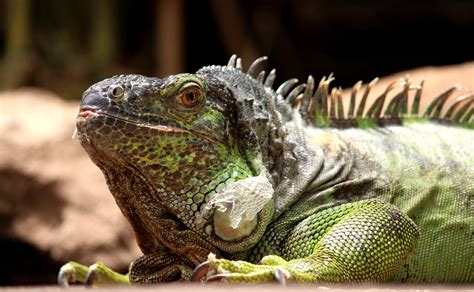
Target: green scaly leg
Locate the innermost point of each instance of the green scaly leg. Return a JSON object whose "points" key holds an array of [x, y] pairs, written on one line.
{"points": [[354, 242], [97, 274]]}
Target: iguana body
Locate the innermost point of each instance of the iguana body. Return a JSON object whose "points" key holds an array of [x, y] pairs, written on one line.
{"points": [[412, 167], [217, 162]]}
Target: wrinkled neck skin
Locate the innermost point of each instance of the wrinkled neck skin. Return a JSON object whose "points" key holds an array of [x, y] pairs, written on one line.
{"points": [[311, 164]]}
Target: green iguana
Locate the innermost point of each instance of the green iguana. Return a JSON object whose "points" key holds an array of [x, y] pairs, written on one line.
{"points": [[261, 185]]}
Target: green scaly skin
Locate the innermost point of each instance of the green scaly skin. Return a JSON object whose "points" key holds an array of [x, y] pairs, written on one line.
{"points": [[218, 163]]}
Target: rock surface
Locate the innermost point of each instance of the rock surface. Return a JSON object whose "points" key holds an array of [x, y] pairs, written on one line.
{"points": [[54, 204]]}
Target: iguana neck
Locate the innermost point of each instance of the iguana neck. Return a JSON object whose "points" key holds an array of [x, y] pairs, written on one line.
{"points": [[271, 131], [322, 161], [337, 156]]}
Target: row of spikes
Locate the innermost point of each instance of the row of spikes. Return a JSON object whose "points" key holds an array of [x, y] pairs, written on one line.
{"points": [[320, 103]]}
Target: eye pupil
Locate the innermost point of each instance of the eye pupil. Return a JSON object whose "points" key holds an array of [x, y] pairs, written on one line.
{"points": [[191, 96]]}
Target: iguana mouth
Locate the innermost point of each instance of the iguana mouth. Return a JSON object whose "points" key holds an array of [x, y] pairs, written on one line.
{"points": [[90, 112], [87, 112]]}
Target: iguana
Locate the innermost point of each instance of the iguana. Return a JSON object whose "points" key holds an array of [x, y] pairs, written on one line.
{"points": [[218, 169]]}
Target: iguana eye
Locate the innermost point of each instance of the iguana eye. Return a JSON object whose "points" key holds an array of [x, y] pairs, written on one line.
{"points": [[191, 95]]}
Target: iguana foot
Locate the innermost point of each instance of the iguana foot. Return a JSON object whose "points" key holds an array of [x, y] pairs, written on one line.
{"points": [[95, 275], [222, 270]]}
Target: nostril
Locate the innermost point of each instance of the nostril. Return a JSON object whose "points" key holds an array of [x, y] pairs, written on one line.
{"points": [[95, 99], [117, 92]]}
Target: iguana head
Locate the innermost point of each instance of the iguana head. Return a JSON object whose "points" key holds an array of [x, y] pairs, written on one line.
{"points": [[174, 144]]}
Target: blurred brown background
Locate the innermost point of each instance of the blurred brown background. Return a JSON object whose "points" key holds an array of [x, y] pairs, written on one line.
{"points": [[66, 45], [54, 205]]}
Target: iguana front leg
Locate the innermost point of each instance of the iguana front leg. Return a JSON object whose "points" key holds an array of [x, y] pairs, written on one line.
{"points": [[354, 242], [162, 266]]}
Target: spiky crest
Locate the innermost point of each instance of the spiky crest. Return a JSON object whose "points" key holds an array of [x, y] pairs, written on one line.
{"points": [[323, 108]]}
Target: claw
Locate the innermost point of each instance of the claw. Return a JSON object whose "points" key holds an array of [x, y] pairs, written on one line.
{"points": [[217, 278], [90, 278], [200, 271], [64, 278], [69, 273], [281, 276]]}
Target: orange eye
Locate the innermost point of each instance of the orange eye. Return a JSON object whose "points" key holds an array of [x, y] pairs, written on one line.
{"points": [[190, 96]]}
